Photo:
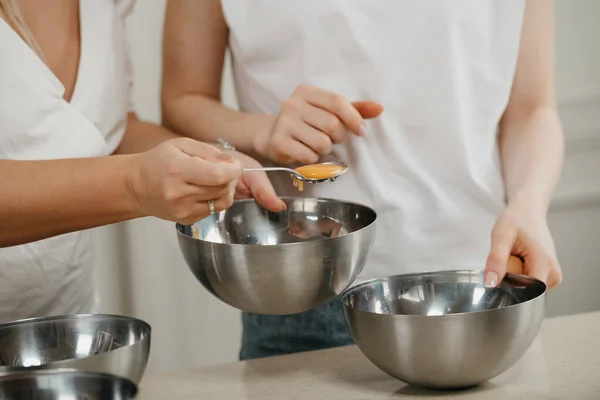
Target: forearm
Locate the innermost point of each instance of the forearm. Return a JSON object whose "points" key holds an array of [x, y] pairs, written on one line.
{"points": [[207, 119], [141, 136], [41, 199], [532, 152]]}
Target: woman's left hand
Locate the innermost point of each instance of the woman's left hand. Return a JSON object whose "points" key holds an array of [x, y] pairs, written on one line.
{"points": [[521, 234], [256, 185]]}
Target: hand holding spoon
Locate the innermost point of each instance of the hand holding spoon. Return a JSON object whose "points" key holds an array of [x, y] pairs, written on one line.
{"points": [[313, 173]]}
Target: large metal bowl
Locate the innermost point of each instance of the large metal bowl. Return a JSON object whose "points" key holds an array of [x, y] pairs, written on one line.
{"points": [[111, 344], [444, 330], [279, 263], [65, 385]]}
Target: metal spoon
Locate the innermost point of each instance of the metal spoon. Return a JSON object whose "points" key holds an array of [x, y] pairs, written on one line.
{"points": [[301, 177], [228, 147]]}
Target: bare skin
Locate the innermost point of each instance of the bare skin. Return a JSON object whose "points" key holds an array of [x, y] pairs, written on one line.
{"points": [[532, 151], [312, 120], [156, 172]]}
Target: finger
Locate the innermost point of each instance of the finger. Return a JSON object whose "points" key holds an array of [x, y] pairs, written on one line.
{"points": [[191, 211], [503, 239], [515, 265], [193, 148], [554, 277], [205, 193], [199, 172], [325, 122], [368, 109], [335, 104], [537, 268], [262, 190], [242, 191], [291, 150], [316, 140], [202, 208], [537, 263]]}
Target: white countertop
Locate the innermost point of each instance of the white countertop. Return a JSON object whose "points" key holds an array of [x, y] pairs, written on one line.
{"points": [[563, 363]]}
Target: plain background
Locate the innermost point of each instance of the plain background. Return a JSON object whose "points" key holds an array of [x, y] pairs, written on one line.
{"points": [[142, 273]]}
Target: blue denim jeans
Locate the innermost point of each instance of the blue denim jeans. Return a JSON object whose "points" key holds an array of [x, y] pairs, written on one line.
{"points": [[269, 335]]}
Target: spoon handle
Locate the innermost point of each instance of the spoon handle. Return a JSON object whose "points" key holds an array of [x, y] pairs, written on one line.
{"points": [[228, 147], [291, 171]]}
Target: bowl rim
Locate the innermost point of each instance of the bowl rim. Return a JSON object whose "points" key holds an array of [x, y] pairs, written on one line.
{"points": [[471, 272], [178, 226], [51, 318], [53, 365]]}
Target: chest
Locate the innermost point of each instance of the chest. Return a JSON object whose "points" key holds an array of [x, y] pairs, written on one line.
{"points": [[425, 60], [71, 104], [55, 26]]}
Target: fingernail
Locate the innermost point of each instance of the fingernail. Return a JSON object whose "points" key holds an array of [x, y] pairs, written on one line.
{"points": [[362, 131], [491, 279], [224, 157]]}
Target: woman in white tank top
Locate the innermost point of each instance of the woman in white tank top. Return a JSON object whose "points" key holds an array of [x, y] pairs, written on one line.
{"points": [[461, 164], [65, 99]]}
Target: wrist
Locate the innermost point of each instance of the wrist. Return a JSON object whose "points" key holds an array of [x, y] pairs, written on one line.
{"points": [[260, 140], [529, 205], [130, 185]]}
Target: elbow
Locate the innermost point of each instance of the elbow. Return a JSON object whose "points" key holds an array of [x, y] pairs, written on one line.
{"points": [[527, 113], [166, 109]]}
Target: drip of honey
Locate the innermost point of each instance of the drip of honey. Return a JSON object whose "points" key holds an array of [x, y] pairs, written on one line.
{"points": [[317, 171], [298, 183]]}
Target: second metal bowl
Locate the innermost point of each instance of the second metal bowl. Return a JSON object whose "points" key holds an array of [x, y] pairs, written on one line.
{"points": [[65, 384], [279, 263], [444, 330], [101, 343]]}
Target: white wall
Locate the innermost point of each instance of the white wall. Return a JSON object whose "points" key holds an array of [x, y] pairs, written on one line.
{"points": [[191, 328]]}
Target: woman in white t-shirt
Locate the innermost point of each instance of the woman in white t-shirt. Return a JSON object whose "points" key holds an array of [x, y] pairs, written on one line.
{"points": [[65, 99], [469, 142]]}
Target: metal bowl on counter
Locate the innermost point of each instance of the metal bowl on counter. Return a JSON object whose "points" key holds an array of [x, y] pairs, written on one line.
{"points": [[444, 330], [279, 263], [99, 343], [65, 384]]}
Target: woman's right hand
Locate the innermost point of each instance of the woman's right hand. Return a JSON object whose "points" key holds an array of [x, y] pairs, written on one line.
{"points": [[310, 123], [176, 180]]}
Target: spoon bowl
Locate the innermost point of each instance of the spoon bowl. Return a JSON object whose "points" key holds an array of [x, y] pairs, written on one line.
{"points": [[299, 176]]}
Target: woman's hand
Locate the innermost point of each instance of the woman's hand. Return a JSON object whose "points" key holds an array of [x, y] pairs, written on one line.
{"points": [[527, 236], [256, 185], [176, 180], [310, 123]]}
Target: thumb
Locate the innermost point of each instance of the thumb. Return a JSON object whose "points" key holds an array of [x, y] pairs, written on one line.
{"points": [[262, 190], [368, 109], [497, 261]]}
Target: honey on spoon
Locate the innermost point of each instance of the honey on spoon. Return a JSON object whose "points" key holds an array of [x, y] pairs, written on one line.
{"points": [[312, 173]]}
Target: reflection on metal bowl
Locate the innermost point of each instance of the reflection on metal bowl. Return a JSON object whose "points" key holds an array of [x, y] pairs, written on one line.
{"points": [[279, 263], [89, 342], [444, 330], [65, 384]]}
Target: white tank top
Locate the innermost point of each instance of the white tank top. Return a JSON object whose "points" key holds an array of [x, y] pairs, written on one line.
{"points": [[55, 276], [429, 166]]}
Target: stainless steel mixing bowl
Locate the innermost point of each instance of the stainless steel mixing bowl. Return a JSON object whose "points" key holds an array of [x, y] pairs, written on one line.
{"points": [[109, 344], [279, 263], [444, 330], [65, 385]]}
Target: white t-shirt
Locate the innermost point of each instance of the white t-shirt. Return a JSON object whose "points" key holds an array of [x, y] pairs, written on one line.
{"points": [[55, 276], [429, 165]]}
